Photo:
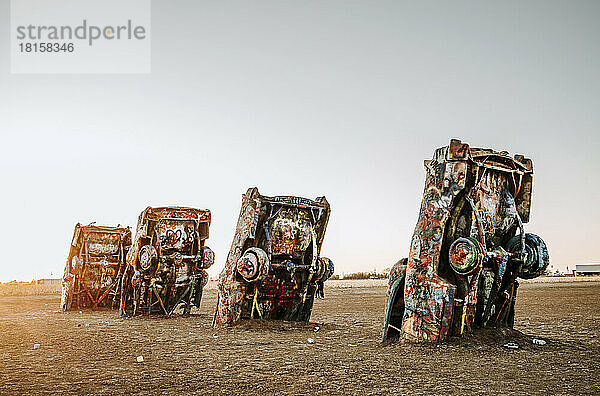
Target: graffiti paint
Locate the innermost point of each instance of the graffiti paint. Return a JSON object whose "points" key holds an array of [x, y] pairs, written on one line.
{"points": [[274, 269], [166, 264], [94, 266], [468, 247]]}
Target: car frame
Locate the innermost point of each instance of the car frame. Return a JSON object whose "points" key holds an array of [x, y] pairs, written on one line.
{"points": [[274, 269], [94, 266], [166, 265], [468, 248]]}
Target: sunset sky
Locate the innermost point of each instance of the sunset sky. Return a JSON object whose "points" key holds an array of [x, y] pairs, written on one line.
{"points": [[342, 99]]}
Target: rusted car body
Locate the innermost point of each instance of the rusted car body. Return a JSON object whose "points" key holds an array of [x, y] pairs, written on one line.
{"points": [[94, 267], [166, 265], [468, 248], [274, 269]]}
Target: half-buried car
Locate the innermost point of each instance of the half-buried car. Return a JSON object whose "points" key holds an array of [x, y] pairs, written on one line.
{"points": [[274, 269], [94, 267], [166, 266], [468, 248]]}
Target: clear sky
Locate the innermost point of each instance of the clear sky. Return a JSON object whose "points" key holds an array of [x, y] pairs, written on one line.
{"points": [[343, 99]]}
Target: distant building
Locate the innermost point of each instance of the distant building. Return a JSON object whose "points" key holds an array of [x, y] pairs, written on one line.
{"points": [[587, 269], [49, 281]]}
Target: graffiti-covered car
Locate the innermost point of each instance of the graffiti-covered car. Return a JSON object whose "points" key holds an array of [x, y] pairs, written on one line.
{"points": [[468, 248], [94, 267], [166, 265], [274, 269]]}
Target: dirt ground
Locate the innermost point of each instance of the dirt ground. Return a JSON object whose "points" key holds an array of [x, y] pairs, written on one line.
{"points": [[95, 352]]}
